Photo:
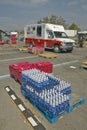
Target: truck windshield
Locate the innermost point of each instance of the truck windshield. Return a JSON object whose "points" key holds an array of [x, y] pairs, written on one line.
{"points": [[60, 34]]}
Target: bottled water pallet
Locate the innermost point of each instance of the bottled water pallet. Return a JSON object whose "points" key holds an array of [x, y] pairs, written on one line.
{"points": [[74, 101]]}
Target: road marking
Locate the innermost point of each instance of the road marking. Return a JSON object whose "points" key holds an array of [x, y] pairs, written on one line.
{"points": [[18, 58], [32, 121], [65, 63], [13, 97], [72, 67], [21, 107], [7, 89], [37, 125], [4, 76], [8, 53]]}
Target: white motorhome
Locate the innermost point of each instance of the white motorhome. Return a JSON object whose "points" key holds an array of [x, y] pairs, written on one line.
{"points": [[49, 36]]}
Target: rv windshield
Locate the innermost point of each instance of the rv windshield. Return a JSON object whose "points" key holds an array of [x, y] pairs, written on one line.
{"points": [[60, 34]]}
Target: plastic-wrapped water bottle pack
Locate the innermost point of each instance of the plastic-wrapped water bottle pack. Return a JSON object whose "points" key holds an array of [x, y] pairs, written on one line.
{"points": [[52, 99], [39, 80]]}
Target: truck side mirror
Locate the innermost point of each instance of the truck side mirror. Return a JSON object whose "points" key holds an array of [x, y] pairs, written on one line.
{"points": [[49, 36]]}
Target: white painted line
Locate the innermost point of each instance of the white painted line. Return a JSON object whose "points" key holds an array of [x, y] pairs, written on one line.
{"points": [[8, 53], [7, 89], [4, 76], [13, 97], [32, 121], [65, 63], [21, 107], [72, 67], [18, 58]]}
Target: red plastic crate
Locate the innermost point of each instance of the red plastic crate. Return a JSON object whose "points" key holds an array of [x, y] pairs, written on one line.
{"points": [[36, 49], [16, 69], [2, 42], [45, 67]]}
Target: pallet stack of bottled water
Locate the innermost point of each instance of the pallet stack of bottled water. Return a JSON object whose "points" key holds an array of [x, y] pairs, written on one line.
{"points": [[45, 91]]}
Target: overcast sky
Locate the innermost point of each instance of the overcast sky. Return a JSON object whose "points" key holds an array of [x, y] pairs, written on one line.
{"points": [[15, 14]]}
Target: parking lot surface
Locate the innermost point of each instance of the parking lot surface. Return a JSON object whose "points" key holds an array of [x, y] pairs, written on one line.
{"points": [[67, 66]]}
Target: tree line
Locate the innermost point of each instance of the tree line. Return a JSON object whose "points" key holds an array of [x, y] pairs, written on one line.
{"points": [[59, 20]]}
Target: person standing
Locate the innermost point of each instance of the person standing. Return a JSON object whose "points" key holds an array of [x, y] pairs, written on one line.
{"points": [[81, 41], [0, 36]]}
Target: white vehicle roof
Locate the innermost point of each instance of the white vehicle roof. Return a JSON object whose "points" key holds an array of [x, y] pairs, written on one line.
{"points": [[55, 27], [82, 32]]}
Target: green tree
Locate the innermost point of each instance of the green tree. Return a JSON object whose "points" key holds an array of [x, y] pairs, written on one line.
{"points": [[39, 21], [46, 19], [53, 20], [74, 26]]}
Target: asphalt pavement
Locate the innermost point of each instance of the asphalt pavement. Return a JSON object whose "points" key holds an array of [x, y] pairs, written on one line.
{"points": [[66, 66]]}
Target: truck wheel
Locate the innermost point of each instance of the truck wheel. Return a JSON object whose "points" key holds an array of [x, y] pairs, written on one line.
{"points": [[70, 51], [56, 49]]}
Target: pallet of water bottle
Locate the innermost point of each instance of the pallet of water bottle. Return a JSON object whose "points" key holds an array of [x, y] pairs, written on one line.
{"points": [[74, 102], [45, 114], [42, 112]]}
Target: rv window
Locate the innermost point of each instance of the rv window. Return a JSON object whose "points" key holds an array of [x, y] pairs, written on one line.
{"points": [[50, 34], [39, 30], [33, 28], [28, 29]]}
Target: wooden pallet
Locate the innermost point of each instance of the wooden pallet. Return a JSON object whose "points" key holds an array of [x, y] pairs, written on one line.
{"points": [[15, 46], [74, 101], [48, 55], [22, 49], [84, 65]]}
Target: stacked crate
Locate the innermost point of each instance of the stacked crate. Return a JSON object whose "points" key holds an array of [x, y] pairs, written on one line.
{"points": [[36, 49], [48, 93], [2, 42], [13, 39], [53, 97], [16, 69], [45, 67]]}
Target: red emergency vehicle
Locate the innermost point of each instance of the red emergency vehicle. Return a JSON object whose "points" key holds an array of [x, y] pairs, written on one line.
{"points": [[49, 36]]}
